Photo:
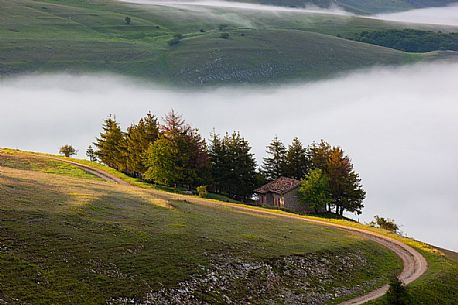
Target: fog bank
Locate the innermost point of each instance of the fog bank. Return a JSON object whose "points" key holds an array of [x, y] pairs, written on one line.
{"points": [[399, 125], [434, 15], [195, 4]]}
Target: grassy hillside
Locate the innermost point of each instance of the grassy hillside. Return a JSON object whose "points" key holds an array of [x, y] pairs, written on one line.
{"points": [[71, 238], [217, 45]]}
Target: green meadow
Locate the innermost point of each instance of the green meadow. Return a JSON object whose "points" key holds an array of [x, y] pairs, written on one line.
{"points": [[71, 238]]}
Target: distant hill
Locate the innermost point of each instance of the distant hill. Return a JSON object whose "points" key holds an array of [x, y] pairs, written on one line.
{"points": [[189, 47], [359, 6]]}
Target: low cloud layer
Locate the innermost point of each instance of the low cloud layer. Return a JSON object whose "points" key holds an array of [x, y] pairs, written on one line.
{"points": [[193, 4], [398, 124], [433, 15]]}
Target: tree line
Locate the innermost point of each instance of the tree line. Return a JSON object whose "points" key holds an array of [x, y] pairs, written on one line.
{"points": [[173, 153], [409, 40]]}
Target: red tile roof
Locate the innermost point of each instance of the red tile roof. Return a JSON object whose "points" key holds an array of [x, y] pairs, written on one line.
{"points": [[280, 186]]}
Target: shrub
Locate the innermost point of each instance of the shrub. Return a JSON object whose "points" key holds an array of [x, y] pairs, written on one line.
{"points": [[67, 150], [397, 293], [224, 35], [384, 223], [202, 191], [127, 20], [221, 27], [176, 39]]}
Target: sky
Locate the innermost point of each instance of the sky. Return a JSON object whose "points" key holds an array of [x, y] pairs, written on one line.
{"points": [[399, 126]]}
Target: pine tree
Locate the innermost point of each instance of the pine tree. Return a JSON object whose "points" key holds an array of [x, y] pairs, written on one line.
{"points": [[274, 165], [180, 155], [219, 163], [162, 163], [111, 145], [296, 160], [91, 154], [138, 139], [233, 166]]}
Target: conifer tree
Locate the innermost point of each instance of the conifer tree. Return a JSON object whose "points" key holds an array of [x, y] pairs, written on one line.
{"points": [[274, 164], [139, 137], [90, 153], [397, 293], [296, 160], [233, 166], [219, 163], [111, 144], [180, 155]]}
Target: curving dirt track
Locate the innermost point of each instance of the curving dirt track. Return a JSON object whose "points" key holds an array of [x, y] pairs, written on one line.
{"points": [[414, 264]]}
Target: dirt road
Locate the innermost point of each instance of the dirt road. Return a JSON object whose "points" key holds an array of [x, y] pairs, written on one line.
{"points": [[414, 264]]}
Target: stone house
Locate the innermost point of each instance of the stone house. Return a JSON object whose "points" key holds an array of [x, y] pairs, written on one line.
{"points": [[281, 193]]}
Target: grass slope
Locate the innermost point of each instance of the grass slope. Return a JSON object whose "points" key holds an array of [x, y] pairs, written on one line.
{"points": [[91, 36], [73, 239], [437, 286]]}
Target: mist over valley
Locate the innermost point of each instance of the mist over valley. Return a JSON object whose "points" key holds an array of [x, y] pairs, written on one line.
{"points": [[393, 122]]}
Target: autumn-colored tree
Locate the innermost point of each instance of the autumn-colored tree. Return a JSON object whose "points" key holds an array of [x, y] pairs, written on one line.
{"points": [[344, 183]]}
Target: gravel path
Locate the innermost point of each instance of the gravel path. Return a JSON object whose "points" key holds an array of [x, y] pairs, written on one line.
{"points": [[414, 263]]}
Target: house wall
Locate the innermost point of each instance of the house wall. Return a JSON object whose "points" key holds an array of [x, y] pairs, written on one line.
{"points": [[292, 202], [289, 201], [270, 199]]}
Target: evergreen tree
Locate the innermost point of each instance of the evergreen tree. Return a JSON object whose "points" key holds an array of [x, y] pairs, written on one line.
{"points": [[296, 160], [111, 145], [233, 166], [162, 163], [219, 163], [139, 137], [274, 164], [180, 155], [397, 293], [91, 154]]}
